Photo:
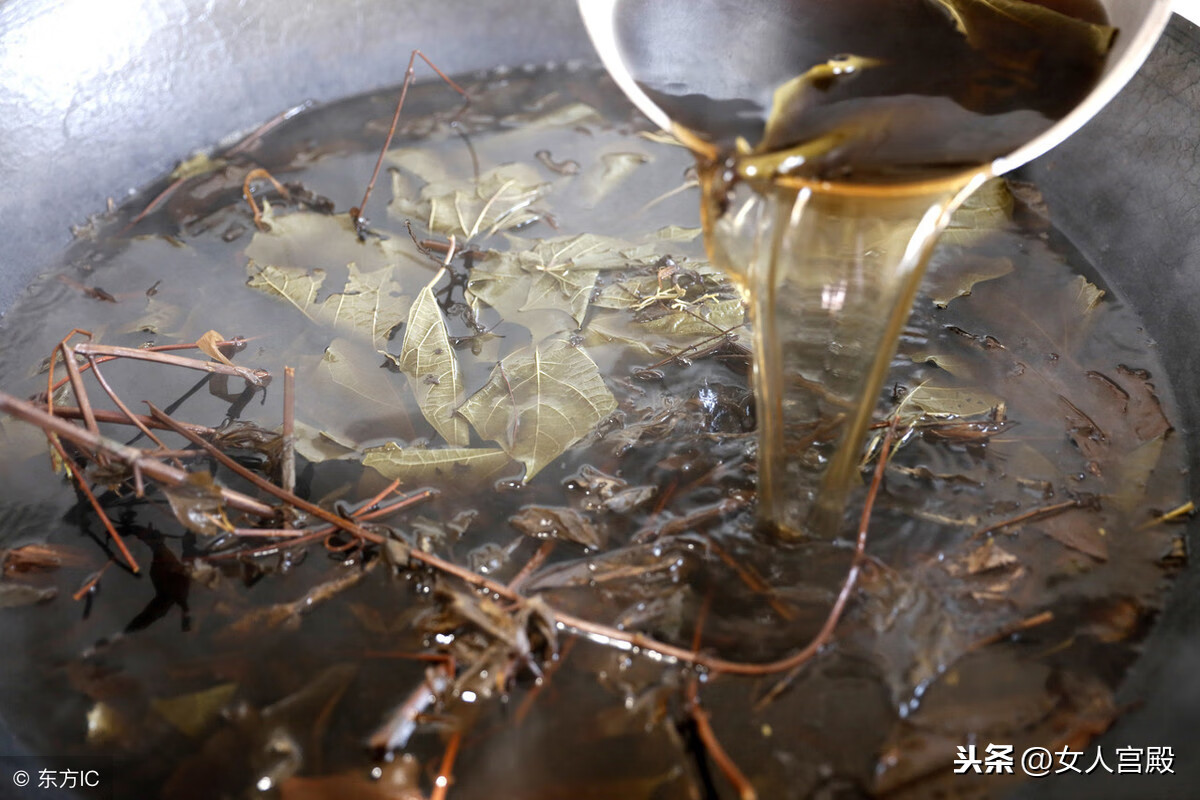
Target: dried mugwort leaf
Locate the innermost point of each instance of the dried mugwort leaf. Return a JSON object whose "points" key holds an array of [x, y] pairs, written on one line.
{"points": [[415, 465], [344, 367], [552, 274], [370, 306], [558, 522], [539, 402], [945, 403], [502, 199], [432, 368]]}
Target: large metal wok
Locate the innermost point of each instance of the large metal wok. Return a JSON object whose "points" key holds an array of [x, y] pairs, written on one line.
{"points": [[98, 98]]}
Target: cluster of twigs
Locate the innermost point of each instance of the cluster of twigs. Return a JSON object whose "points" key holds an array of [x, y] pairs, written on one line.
{"points": [[75, 439]]}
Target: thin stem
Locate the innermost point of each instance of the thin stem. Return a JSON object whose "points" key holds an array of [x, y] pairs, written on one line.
{"points": [[357, 212], [132, 456], [255, 377], [287, 469]]}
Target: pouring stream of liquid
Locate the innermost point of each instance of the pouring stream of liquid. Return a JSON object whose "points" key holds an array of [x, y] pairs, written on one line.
{"points": [[829, 273]]}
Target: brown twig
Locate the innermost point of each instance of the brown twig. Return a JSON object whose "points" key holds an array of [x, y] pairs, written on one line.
{"points": [[441, 784], [91, 581], [1015, 627], [535, 561], [52, 387], [357, 212], [287, 467], [257, 174], [120, 404], [1034, 513], [255, 377], [82, 483], [137, 459], [121, 418]]}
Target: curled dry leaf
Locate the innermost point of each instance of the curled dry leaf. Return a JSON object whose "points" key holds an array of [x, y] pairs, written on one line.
{"points": [[539, 402], [198, 504], [207, 344], [558, 522]]}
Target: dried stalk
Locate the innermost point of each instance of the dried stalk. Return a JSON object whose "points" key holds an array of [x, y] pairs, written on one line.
{"points": [[287, 468], [137, 459], [255, 377]]}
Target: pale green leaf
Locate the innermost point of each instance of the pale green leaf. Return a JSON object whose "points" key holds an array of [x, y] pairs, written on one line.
{"points": [[606, 176], [429, 361], [503, 198], [989, 208], [371, 305], [956, 365], [675, 233], [539, 402], [318, 446], [790, 100], [933, 402], [193, 713], [416, 465], [1085, 295], [551, 274], [345, 367], [959, 279], [199, 164]]}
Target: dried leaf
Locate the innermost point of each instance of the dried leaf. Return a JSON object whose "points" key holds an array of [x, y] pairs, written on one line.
{"points": [[429, 361], [934, 402], [199, 164], [344, 367], [208, 345], [502, 199], [161, 318], [1078, 529], [554, 274], [198, 505], [370, 306], [539, 402], [416, 466], [558, 522], [193, 713], [606, 175], [988, 209], [790, 100], [959, 279], [318, 446], [982, 21], [1134, 471], [989, 556], [675, 233], [14, 594]]}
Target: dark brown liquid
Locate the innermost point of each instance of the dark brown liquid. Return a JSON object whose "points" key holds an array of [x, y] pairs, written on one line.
{"points": [[947, 84]]}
